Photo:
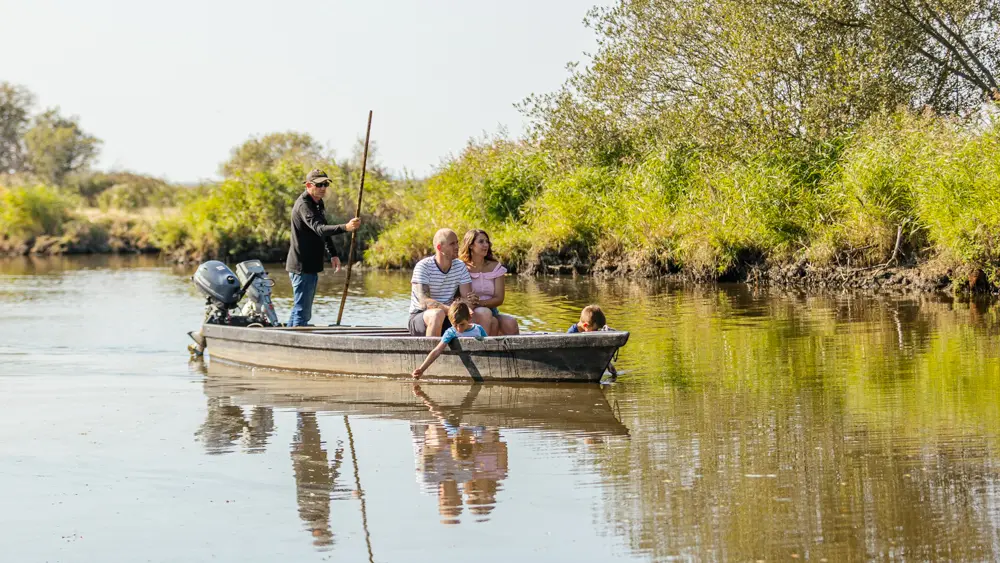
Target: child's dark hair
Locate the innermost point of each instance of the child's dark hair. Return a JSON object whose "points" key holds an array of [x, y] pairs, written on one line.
{"points": [[593, 316], [458, 312]]}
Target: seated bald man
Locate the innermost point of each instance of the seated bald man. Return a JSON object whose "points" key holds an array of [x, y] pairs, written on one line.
{"points": [[435, 282]]}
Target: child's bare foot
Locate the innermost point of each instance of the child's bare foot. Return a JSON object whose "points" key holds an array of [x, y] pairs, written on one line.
{"points": [[417, 373]]}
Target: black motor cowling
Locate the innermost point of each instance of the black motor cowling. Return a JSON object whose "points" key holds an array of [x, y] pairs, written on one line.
{"points": [[216, 280], [225, 290]]}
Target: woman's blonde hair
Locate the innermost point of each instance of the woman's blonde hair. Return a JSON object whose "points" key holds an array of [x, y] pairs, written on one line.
{"points": [[465, 249]]}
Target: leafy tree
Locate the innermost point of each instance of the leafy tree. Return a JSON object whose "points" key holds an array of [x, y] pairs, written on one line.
{"points": [[136, 191], [260, 155], [57, 146], [752, 72], [89, 185], [15, 105], [946, 52]]}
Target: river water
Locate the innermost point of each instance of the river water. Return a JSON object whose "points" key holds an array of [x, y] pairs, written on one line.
{"points": [[746, 426]]}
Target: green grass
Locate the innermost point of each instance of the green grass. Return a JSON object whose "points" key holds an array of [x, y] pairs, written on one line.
{"points": [[680, 206], [839, 201]]}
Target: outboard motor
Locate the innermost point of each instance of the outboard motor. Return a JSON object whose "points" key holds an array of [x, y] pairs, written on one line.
{"points": [[225, 289], [258, 294], [220, 284]]}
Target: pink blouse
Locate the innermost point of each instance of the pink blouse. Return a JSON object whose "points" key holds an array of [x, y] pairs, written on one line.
{"points": [[483, 284]]}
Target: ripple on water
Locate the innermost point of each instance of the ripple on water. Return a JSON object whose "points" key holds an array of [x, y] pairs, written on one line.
{"points": [[746, 425]]}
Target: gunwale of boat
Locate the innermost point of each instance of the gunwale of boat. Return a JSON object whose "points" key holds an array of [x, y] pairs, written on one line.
{"points": [[304, 337]]}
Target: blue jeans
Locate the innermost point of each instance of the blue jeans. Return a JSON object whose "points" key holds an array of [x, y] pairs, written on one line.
{"points": [[304, 288]]}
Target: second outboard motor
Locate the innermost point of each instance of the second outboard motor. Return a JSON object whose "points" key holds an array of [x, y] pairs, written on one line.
{"points": [[224, 290], [258, 305]]}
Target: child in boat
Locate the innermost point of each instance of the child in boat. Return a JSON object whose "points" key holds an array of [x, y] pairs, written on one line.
{"points": [[461, 327], [592, 319]]}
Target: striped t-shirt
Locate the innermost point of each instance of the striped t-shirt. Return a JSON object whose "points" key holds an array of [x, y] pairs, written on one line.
{"points": [[443, 285]]}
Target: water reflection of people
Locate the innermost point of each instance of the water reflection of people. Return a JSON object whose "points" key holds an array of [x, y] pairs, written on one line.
{"points": [[489, 467], [453, 460], [315, 477]]}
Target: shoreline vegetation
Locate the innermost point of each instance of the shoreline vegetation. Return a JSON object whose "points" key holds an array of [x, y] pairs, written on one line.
{"points": [[810, 144]]}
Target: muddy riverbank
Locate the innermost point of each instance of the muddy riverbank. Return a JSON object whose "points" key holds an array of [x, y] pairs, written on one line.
{"points": [[130, 237]]}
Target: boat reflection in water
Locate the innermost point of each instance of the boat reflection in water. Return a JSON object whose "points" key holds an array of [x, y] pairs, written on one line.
{"points": [[457, 430]]}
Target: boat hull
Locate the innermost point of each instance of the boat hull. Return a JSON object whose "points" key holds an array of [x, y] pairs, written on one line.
{"points": [[388, 352], [562, 409]]}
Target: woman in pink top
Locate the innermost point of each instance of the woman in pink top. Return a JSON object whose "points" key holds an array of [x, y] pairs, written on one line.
{"points": [[487, 274]]}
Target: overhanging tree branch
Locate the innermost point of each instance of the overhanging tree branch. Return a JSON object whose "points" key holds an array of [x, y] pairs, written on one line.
{"points": [[970, 74], [965, 46]]}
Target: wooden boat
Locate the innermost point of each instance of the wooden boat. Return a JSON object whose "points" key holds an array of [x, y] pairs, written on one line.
{"points": [[544, 407], [379, 351]]}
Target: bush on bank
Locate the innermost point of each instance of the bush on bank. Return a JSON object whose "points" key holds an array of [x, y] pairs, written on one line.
{"points": [[904, 188], [933, 181], [30, 211], [245, 215], [491, 185], [42, 220], [249, 214]]}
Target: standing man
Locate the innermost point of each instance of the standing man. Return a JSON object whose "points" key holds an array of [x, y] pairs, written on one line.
{"points": [[309, 234], [435, 282]]}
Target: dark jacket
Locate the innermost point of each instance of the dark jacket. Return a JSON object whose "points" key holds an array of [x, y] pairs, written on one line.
{"points": [[309, 233]]}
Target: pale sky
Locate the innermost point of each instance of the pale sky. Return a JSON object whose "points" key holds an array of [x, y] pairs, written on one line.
{"points": [[171, 87]]}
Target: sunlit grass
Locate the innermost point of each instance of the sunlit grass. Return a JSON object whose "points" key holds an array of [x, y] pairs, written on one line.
{"points": [[933, 181]]}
